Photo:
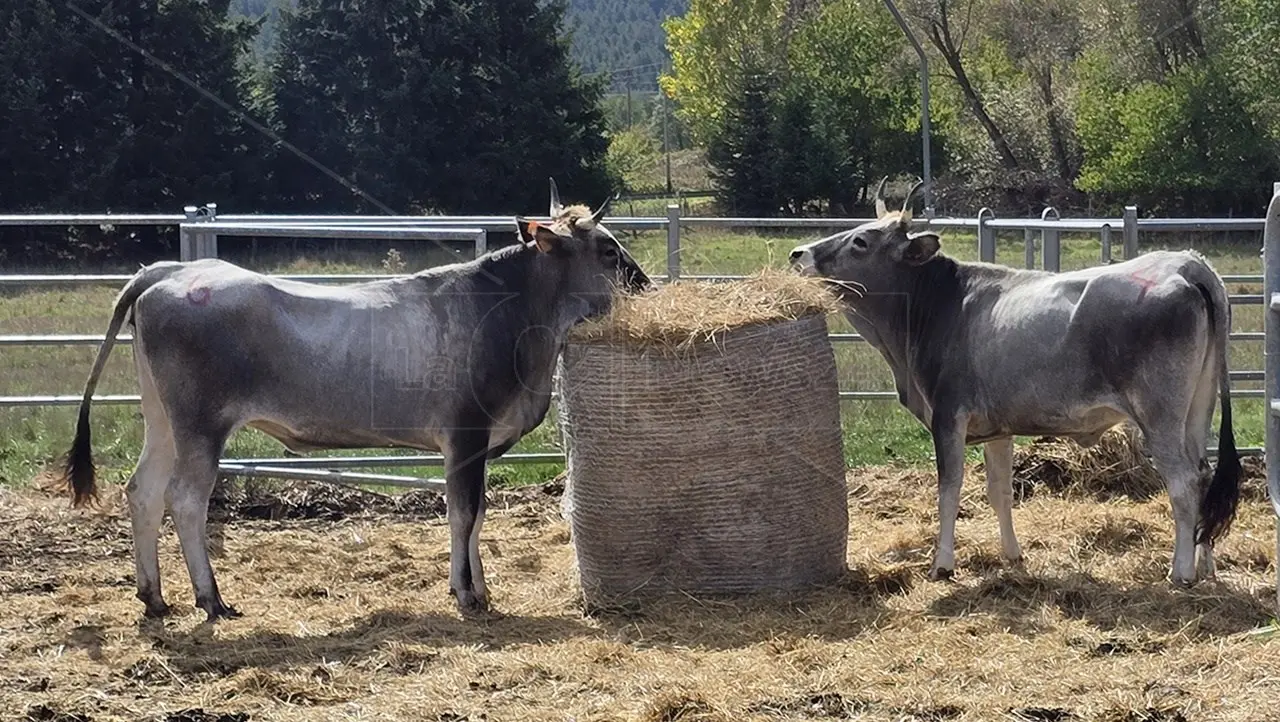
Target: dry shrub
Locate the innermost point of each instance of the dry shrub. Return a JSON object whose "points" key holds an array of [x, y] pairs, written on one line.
{"points": [[1116, 466], [677, 315]]}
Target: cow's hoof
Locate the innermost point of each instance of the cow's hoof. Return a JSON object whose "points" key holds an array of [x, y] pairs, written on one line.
{"points": [[220, 610], [939, 574], [472, 605], [1181, 583], [157, 610], [1206, 568], [1019, 563]]}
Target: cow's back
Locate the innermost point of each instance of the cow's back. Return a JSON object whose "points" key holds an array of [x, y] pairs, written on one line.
{"points": [[227, 345], [1045, 349], [375, 364]]}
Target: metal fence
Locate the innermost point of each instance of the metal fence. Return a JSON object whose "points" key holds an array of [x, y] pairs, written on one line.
{"points": [[1271, 359], [200, 228]]}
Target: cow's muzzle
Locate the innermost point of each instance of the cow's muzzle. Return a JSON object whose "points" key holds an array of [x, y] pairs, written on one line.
{"points": [[801, 259]]}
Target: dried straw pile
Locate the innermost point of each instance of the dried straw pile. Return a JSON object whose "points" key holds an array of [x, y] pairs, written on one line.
{"points": [[1116, 466], [353, 620], [702, 432]]}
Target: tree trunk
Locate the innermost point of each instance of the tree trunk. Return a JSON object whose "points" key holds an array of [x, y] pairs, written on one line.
{"points": [[1057, 137], [941, 38]]}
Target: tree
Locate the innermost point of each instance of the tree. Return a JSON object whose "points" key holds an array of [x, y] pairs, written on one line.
{"points": [[1043, 38], [743, 155], [798, 102], [97, 126], [420, 105], [947, 24], [864, 98], [714, 47], [1182, 145]]}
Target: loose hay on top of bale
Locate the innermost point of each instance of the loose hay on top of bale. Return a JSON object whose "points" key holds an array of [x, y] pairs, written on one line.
{"points": [[680, 315], [701, 425]]}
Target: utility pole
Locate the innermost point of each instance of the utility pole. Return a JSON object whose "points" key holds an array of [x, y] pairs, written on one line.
{"points": [[924, 107]]}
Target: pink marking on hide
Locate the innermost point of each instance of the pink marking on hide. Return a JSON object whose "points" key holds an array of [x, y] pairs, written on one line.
{"points": [[1146, 282], [199, 295]]}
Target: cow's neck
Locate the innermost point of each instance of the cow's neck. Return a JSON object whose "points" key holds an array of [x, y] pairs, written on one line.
{"points": [[912, 330], [538, 284], [543, 300]]}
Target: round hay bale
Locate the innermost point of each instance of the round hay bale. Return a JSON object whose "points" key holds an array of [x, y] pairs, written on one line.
{"points": [[704, 452]]}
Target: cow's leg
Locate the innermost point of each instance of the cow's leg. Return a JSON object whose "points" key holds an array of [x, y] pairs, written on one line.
{"points": [[464, 499], [147, 488], [1182, 476], [948, 444], [146, 494], [1199, 424], [998, 458], [189, 504], [473, 553]]}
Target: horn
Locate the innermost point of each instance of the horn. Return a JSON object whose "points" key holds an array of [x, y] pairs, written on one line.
{"points": [[906, 202], [604, 208], [880, 208], [556, 206]]}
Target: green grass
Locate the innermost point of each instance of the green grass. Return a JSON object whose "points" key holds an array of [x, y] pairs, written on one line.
{"points": [[875, 431]]}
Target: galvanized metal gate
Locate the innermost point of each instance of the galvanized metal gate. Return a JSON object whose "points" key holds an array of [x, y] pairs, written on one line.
{"points": [[1271, 360]]}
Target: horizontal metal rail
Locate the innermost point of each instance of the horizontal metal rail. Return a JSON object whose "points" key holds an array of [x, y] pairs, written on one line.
{"points": [[300, 463], [46, 279], [93, 219], [387, 460], [128, 399], [367, 231], [124, 339], [298, 467], [1173, 225], [507, 222], [69, 400], [1081, 225], [334, 477]]}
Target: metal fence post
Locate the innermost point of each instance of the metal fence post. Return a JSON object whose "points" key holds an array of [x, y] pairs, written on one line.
{"points": [[986, 237], [1105, 238], [1130, 232], [482, 243], [1051, 238], [186, 236], [208, 243], [673, 241], [1271, 361]]}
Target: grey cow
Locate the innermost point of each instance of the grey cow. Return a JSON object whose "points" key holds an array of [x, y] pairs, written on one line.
{"points": [[457, 359], [981, 353]]}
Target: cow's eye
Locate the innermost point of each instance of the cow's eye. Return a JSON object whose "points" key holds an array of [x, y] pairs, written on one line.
{"points": [[609, 253], [859, 244]]}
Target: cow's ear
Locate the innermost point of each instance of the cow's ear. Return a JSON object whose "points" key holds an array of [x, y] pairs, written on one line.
{"points": [[538, 235], [921, 247]]}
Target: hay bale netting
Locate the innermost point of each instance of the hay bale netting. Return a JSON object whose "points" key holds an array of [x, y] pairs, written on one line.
{"points": [[701, 425]]}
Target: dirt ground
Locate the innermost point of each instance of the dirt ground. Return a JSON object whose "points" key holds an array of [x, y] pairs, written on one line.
{"points": [[347, 617]]}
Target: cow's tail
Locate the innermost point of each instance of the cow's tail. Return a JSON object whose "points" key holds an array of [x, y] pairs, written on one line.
{"points": [[78, 471], [1220, 500]]}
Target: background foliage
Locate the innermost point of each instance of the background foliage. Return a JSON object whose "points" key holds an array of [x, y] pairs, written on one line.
{"points": [[780, 106]]}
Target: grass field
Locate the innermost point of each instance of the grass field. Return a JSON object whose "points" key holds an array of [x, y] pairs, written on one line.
{"points": [[875, 431]]}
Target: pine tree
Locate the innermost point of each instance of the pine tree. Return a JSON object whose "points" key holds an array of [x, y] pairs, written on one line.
{"points": [[423, 106]]}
